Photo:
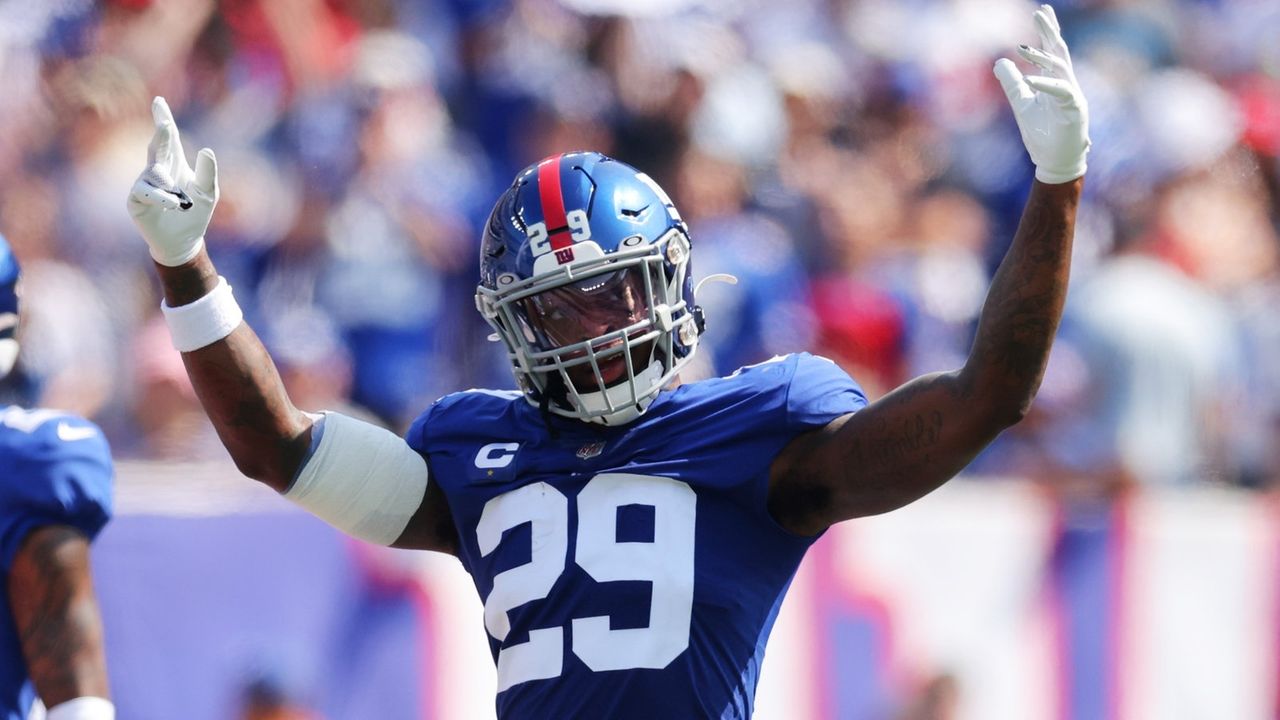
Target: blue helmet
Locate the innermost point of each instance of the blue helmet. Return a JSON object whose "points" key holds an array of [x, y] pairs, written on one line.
{"points": [[9, 273], [585, 276]]}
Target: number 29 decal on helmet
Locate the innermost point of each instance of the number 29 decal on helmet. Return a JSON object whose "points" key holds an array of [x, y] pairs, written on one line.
{"points": [[585, 276]]}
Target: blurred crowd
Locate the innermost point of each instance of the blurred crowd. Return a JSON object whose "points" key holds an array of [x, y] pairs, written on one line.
{"points": [[852, 162]]}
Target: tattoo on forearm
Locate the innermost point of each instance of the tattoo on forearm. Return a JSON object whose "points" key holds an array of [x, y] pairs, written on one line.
{"points": [[1025, 302], [912, 436], [911, 441], [898, 443], [59, 628]]}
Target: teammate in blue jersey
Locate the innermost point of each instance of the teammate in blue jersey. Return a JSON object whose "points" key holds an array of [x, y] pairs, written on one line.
{"points": [[55, 495], [631, 537]]}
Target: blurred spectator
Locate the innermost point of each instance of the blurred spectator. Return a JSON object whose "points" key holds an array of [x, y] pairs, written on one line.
{"points": [[313, 362], [399, 234], [937, 699], [170, 424], [69, 349], [858, 188], [265, 698], [767, 312], [1165, 355]]}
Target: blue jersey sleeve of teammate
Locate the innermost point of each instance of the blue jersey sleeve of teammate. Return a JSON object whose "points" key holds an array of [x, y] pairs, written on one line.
{"points": [[58, 472]]}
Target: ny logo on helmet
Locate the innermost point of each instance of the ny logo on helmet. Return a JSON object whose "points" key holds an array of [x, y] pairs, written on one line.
{"points": [[576, 228]]}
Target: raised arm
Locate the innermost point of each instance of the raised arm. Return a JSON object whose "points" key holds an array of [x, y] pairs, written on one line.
{"points": [[360, 478], [55, 612], [917, 437], [233, 375], [240, 388]]}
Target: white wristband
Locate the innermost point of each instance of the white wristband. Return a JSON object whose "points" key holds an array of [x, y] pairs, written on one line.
{"points": [[83, 708], [204, 321]]}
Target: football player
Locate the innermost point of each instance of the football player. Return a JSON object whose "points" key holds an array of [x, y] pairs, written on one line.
{"points": [[631, 537], [55, 495]]}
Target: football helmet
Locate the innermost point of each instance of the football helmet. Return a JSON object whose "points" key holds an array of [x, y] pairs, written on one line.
{"points": [[9, 273], [585, 276]]}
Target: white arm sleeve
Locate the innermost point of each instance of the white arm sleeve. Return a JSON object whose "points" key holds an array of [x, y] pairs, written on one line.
{"points": [[82, 708], [361, 479]]}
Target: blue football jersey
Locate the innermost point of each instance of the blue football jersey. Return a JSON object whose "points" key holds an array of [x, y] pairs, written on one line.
{"points": [[630, 572], [55, 468]]}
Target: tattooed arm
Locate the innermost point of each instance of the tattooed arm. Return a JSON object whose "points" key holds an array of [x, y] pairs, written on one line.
{"points": [[917, 437], [56, 615], [909, 442]]}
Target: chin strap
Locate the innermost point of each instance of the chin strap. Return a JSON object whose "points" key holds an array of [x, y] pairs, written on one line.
{"points": [[555, 386]]}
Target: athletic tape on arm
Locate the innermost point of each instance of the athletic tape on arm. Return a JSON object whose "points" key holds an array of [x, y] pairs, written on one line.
{"points": [[362, 479]]}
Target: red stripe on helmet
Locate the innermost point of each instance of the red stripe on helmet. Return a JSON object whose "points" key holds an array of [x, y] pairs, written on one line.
{"points": [[553, 202]]}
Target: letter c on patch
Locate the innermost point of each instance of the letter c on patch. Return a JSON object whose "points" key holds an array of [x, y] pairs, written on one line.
{"points": [[496, 455]]}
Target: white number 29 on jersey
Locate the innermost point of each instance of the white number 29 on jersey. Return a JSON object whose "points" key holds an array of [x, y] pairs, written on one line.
{"points": [[667, 562]]}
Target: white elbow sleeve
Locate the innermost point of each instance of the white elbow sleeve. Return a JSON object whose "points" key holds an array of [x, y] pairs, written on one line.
{"points": [[83, 708], [362, 479]]}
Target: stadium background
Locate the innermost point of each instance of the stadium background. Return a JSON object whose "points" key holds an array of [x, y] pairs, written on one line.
{"points": [[1117, 555]]}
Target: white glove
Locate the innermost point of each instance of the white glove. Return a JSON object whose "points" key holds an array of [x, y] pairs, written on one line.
{"points": [[1051, 111], [171, 204]]}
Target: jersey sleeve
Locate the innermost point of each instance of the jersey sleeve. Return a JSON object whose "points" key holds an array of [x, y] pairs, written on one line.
{"points": [[470, 413], [61, 475], [416, 435], [819, 392]]}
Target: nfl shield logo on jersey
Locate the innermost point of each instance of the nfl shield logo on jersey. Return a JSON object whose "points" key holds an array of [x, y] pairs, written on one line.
{"points": [[590, 450]]}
